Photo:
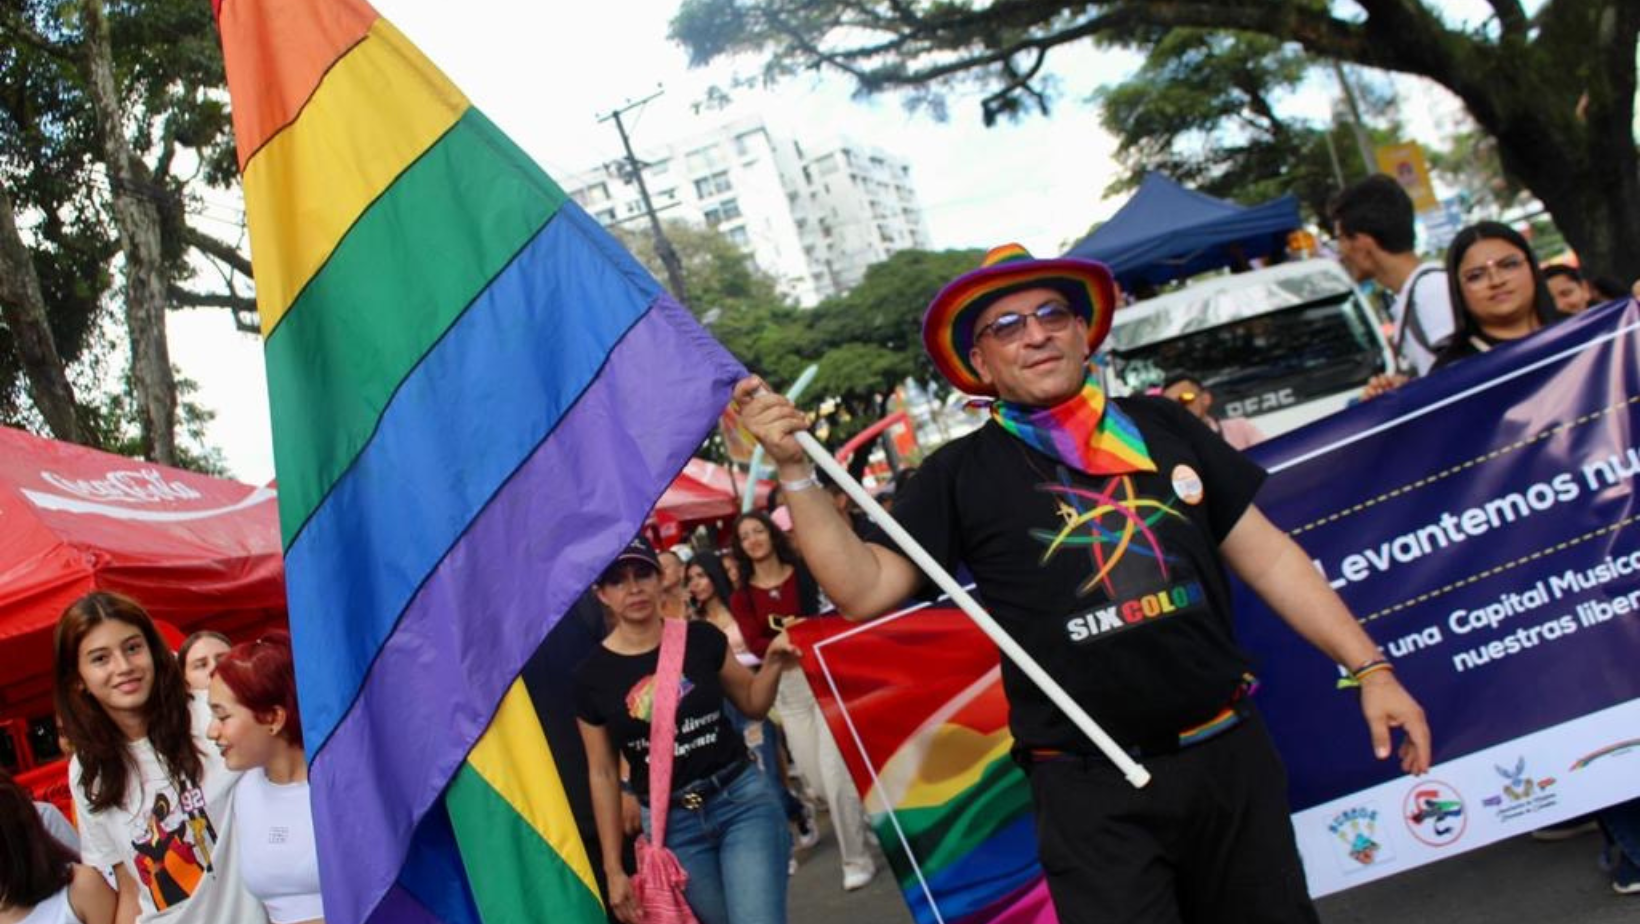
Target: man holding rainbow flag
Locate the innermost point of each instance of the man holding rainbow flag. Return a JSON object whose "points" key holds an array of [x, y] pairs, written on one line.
{"points": [[1098, 533]]}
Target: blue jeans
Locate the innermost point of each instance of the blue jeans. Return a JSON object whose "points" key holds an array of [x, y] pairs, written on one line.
{"points": [[734, 848], [1621, 823], [766, 755]]}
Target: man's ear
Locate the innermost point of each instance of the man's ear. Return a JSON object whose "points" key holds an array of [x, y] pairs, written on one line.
{"points": [[977, 358]]}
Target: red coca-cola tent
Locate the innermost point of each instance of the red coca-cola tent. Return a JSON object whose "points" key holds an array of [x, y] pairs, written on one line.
{"points": [[704, 493], [196, 551]]}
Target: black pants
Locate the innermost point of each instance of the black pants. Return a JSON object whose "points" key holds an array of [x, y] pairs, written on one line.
{"points": [[1209, 840]]}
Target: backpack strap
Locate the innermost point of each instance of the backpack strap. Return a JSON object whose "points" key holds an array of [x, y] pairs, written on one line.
{"points": [[1410, 322]]}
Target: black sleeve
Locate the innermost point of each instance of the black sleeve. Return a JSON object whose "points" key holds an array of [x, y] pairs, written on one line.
{"points": [[586, 696], [708, 643], [926, 509], [1230, 480]]}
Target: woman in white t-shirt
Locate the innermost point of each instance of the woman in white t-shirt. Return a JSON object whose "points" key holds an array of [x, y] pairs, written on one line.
{"points": [[150, 793], [39, 881], [258, 730]]}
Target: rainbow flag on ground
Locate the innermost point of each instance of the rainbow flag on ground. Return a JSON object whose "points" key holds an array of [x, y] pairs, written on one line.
{"points": [[915, 703], [476, 398]]}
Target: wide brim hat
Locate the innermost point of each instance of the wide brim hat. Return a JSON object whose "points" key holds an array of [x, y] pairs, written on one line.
{"points": [[948, 325]]}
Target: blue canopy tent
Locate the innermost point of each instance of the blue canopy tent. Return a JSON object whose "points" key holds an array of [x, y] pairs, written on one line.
{"points": [[1167, 232]]}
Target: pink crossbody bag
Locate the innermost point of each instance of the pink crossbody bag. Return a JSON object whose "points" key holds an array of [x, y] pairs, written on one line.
{"points": [[658, 884]]}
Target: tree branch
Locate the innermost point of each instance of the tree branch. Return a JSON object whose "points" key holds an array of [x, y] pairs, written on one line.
{"points": [[220, 250], [1511, 18], [12, 23], [243, 307]]}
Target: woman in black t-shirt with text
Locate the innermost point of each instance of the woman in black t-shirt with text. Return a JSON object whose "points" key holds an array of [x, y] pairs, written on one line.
{"points": [[724, 823]]}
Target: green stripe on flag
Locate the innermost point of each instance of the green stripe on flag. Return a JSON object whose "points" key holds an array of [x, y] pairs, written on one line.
{"points": [[403, 274], [515, 875]]}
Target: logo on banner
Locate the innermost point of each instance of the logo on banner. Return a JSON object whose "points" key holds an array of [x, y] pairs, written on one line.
{"points": [[1521, 793], [143, 486], [1610, 750], [1357, 842], [1435, 813]]}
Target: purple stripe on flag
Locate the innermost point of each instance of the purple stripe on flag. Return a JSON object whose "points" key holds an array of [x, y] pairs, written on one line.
{"points": [[400, 907], [523, 561]]}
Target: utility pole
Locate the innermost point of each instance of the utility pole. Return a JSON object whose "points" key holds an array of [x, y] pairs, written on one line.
{"points": [[663, 247], [1368, 162]]}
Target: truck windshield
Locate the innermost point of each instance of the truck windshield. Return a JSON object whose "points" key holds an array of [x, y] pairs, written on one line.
{"points": [[1266, 362]]}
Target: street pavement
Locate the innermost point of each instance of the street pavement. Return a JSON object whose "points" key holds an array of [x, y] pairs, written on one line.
{"points": [[1518, 881]]}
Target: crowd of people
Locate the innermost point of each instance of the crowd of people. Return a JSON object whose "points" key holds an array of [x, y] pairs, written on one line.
{"points": [[189, 777]]}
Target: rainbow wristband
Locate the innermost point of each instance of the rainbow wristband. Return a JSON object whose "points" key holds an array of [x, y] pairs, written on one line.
{"points": [[1366, 670]]}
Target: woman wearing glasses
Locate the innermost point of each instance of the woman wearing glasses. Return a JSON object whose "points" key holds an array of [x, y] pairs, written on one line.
{"points": [[1499, 288]]}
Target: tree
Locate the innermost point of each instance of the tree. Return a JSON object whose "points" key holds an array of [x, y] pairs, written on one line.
{"points": [[119, 108], [1556, 90], [1205, 109]]}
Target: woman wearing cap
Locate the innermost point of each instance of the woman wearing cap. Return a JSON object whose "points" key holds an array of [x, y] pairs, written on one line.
{"points": [[724, 823], [778, 587], [1077, 516]]}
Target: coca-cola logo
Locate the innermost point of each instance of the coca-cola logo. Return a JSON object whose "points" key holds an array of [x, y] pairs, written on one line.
{"points": [[143, 486]]}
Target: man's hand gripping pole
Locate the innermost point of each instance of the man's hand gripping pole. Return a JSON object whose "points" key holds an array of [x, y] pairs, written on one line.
{"points": [[1131, 769]]}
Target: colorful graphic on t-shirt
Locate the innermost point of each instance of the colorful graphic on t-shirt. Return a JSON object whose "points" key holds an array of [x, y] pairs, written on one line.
{"points": [[640, 700], [174, 852], [1107, 522]]}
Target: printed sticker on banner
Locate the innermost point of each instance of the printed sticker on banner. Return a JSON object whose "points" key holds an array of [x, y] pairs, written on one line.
{"points": [[1187, 484], [1358, 842], [1521, 793], [1611, 750], [1435, 813]]}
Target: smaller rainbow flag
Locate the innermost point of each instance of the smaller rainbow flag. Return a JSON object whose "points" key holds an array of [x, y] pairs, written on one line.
{"points": [[915, 702]]}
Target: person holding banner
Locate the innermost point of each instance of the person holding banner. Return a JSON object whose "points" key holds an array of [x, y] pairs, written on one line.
{"points": [[1496, 279], [1098, 533]]}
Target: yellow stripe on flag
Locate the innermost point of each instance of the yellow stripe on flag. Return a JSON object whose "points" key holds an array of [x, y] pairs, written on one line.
{"points": [[513, 757], [377, 110]]}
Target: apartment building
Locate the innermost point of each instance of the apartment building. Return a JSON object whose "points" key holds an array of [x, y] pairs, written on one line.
{"points": [[813, 215]]}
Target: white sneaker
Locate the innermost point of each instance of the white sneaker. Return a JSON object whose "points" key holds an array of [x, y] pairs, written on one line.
{"points": [[858, 877]]}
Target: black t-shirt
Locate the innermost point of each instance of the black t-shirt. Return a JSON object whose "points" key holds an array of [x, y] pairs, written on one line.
{"points": [[1114, 584], [616, 691]]}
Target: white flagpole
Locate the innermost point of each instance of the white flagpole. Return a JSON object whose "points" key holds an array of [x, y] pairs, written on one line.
{"points": [[1131, 769]]}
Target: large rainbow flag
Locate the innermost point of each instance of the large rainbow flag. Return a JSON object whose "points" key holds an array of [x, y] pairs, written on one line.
{"points": [[915, 703], [476, 397]]}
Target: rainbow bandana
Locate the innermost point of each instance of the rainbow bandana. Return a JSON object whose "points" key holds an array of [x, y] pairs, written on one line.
{"points": [[1084, 431]]}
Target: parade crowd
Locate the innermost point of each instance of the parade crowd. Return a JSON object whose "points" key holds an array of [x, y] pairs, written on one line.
{"points": [[703, 738]]}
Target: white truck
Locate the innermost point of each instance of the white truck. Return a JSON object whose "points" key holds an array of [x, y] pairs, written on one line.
{"points": [[1281, 346]]}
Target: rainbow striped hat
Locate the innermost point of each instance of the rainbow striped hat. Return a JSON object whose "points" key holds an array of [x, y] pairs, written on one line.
{"points": [[948, 325]]}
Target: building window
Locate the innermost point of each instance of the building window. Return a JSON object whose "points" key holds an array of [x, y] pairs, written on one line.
{"points": [[827, 165], [712, 185], [701, 160], [727, 210], [606, 216], [746, 142], [659, 167], [738, 236]]}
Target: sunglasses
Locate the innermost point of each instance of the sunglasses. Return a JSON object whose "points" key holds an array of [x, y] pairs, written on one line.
{"points": [[1008, 327], [1476, 275]]}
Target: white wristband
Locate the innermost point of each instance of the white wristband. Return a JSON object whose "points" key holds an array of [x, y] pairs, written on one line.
{"points": [[801, 484]]}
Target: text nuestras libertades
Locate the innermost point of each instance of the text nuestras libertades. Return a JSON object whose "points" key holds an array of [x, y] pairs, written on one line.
{"points": [[1452, 528]]}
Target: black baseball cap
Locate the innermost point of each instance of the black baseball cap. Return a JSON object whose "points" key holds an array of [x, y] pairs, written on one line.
{"points": [[637, 551]]}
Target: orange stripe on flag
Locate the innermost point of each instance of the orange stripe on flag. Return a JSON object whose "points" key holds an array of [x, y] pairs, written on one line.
{"points": [[276, 52]]}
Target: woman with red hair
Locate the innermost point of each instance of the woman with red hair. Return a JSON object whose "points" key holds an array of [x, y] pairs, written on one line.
{"points": [[258, 730]]}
